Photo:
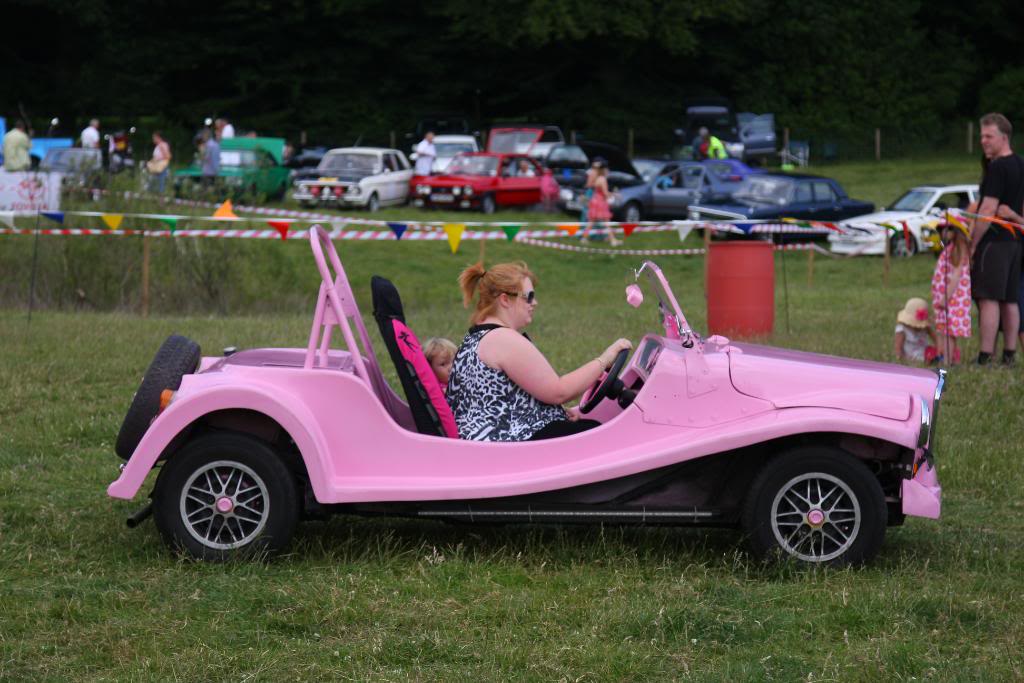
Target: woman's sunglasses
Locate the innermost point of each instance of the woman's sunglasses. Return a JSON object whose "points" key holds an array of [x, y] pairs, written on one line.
{"points": [[530, 296]]}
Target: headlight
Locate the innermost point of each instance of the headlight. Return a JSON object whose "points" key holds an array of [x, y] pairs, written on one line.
{"points": [[456, 191], [423, 189], [468, 190], [354, 189], [565, 195]]}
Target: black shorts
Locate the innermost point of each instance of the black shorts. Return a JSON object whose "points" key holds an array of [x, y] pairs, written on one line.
{"points": [[995, 272]]}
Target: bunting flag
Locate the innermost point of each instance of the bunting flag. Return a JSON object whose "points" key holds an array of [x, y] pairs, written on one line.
{"points": [[171, 221], [7, 218], [399, 229], [510, 231], [454, 232], [570, 228], [55, 216], [907, 238], [225, 210], [112, 220], [281, 227], [628, 228]]}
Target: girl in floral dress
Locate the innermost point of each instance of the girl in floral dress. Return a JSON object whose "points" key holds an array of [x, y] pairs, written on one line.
{"points": [[951, 292]]}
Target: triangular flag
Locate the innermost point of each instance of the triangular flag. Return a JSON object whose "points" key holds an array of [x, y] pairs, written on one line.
{"points": [[399, 229], [224, 210], [628, 228], [55, 216], [171, 221], [570, 228], [281, 227], [454, 232], [7, 218], [113, 220], [511, 231]]}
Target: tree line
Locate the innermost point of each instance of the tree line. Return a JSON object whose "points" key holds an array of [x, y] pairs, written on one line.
{"points": [[359, 69]]}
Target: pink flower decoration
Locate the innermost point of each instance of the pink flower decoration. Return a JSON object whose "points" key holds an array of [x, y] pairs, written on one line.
{"points": [[921, 314]]}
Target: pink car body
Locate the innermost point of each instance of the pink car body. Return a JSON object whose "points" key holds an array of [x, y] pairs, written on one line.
{"points": [[356, 446]]}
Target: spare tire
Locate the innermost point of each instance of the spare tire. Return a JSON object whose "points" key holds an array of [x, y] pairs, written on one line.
{"points": [[177, 356]]}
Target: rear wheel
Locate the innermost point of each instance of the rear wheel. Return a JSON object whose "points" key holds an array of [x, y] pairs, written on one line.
{"points": [[226, 496], [900, 246], [817, 505], [631, 214]]}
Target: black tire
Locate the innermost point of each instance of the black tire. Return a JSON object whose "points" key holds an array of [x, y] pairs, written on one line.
{"points": [[487, 204], [176, 357], [898, 246], [373, 203], [632, 213], [784, 526], [262, 511]]}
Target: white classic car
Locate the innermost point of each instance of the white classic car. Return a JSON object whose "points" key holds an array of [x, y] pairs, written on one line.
{"points": [[917, 208], [367, 177], [447, 147]]}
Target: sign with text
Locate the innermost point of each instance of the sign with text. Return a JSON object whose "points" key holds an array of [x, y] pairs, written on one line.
{"points": [[29, 191]]}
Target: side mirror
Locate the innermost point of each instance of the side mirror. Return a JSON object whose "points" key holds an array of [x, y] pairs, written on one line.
{"points": [[634, 295]]}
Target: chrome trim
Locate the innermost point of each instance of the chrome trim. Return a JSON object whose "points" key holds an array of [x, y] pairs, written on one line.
{"points": [[939, 388], [925, 432]]}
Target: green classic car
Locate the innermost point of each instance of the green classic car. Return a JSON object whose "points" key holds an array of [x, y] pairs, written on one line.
{"points": [[249, 167]]}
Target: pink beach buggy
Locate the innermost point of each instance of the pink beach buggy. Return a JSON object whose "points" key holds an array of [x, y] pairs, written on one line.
{"points": [[813, 456]]}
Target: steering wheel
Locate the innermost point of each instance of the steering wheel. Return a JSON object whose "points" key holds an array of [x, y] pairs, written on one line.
{"points": [[607, 385]]}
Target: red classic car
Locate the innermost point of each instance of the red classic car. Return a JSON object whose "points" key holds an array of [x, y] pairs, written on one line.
{"points": [[480, 180]]}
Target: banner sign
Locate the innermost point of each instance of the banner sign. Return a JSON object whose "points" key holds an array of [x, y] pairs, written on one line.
{"points": [[23, 191]]}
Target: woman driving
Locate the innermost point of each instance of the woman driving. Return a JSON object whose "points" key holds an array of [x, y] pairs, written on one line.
{"points": [[501, 387]]}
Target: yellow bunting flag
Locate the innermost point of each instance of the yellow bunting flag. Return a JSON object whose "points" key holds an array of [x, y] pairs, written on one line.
{"points": [[454, 232], [112, 220], [225, 210], [570, 228]]}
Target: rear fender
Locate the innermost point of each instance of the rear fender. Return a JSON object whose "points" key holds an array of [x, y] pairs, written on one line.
{"points": [[286, 409]]}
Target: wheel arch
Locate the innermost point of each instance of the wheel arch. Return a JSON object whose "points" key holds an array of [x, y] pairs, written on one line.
{"points": [[280, 419]]}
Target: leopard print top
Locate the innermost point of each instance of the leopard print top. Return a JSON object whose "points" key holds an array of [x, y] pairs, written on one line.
{"points": [[487, 404]]}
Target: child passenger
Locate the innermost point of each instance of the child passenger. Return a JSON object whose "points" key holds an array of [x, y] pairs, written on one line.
{"points": [[440, 353], [913, 332], [951, 292]]}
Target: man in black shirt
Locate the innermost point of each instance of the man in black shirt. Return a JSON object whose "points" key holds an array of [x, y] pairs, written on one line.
{"points": [[995, 250]]}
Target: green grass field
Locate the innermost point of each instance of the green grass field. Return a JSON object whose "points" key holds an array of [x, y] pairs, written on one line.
{"points": [[83, 598]]}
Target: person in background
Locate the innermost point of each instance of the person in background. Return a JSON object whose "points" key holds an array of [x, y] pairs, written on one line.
{"points": [[502, 388], [710, 147], [211, 158], [549, 191], [227, 131], [440, 353], [598, 210], [90, 137], [913, 332], [525, 169], [16, 147], [951, 292], [1006, 213], [425, 154], [995, 249], [157, 165]]}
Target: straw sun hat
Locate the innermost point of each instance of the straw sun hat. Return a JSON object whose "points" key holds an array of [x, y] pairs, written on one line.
{"points": [[914, 314]]}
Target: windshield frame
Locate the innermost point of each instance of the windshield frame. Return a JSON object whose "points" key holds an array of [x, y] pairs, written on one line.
{"points": [[927, 194], [485, 166], [672, 319], [752, 182], [375, 166]]}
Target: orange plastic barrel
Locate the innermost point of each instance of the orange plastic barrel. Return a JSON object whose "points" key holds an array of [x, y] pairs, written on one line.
{"points": [[741, 288]]}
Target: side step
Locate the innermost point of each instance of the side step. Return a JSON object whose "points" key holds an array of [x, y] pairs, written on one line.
{"points": [[641, 515]]}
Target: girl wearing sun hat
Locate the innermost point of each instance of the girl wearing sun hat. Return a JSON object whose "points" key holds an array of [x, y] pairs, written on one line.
{"points": [[951, 289], [913, 332]]}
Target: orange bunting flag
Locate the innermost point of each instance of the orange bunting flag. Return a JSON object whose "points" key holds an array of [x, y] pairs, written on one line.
{"points": [[628, 228], [112, 220], [225, 210], [454, 232], [570, 228], [281, 227]]}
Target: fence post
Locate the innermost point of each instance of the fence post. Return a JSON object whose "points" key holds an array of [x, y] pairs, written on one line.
{"points": [[878, 144], [572, 137], [629, 144], [970, 137], [302, 138], [392, 139], [886, 259], [810, 267], [785, 138], [145, 275]]}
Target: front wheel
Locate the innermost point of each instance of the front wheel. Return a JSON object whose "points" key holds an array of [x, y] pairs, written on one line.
{"points": [[898, 245], [632, 213], [816, 505], [487, 204], [226, 496], [373, 203]]}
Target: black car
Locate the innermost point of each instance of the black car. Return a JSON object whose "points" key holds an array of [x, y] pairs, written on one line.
{"points": [[304, 162], [768, 196]]}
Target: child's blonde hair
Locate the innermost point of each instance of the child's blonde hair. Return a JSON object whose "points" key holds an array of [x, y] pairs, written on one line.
{"points": [[437, 347]]}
